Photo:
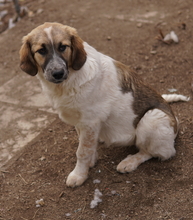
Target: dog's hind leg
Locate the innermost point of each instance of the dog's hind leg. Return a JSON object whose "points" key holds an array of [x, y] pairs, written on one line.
{"points": [[155, 136]]}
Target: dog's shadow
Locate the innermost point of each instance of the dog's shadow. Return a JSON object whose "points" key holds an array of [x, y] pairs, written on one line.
{"points": [[115, 154], [112, 156]]}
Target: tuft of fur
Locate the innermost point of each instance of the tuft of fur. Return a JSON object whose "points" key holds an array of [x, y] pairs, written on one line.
{"points": [[97, 199], [175, 98]]}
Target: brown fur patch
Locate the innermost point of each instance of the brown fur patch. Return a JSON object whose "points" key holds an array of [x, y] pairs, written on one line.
{"points": [[145, 98], [78, 52], [27, 62]]}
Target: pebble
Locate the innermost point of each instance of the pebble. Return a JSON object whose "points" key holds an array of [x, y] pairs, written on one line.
{"points": [[120, 17], [39, 11], [109, 38], [96, 181], [153, 52], [67, 214], [139, 25]]}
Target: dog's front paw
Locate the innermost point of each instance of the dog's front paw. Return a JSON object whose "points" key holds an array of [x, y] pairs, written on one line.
{"points": [[75, 179]]}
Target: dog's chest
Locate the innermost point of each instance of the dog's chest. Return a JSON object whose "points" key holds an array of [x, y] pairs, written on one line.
{"points": [[68, 109], [65, 103], [69, 116]]}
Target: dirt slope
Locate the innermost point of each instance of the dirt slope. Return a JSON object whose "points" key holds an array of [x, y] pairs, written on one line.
{"points": [[125, 30]]}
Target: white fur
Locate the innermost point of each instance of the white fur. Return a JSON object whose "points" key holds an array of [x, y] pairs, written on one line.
{"points": [[97, 199], [155, 130], [175, 98], [48, 32], [91, 99]]}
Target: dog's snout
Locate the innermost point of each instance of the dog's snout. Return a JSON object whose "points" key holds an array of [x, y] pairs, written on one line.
{"points": [[58, 74]]}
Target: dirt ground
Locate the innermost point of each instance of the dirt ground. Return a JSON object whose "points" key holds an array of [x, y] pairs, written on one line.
{"points": [[127, 31]]}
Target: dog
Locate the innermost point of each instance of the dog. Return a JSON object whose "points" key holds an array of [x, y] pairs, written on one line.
{"points": [[104, 99]]}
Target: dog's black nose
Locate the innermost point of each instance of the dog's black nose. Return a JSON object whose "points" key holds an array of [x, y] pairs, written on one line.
{"points": [[58, 74]]}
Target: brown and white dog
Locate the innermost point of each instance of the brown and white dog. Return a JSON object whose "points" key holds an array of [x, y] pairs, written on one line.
{"points": [[101, 97]]}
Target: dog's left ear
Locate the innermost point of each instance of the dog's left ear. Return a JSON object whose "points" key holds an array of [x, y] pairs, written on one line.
{"points": [[27, 62], [78, 52]]}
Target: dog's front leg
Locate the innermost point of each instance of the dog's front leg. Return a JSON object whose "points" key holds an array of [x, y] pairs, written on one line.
{"points": [[86, 153]]}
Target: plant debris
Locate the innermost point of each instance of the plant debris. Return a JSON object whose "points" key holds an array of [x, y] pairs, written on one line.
{"points": [[39, 203], [168, 38]]}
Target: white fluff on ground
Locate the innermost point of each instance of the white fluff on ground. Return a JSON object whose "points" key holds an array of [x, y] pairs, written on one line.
{"points": [[97, 198]]}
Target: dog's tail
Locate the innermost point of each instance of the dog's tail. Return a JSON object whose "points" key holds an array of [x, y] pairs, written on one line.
{"points": [[175, 98]]}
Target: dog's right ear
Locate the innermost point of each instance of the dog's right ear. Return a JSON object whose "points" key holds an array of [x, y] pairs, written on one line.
{"points": [[27, 62]]}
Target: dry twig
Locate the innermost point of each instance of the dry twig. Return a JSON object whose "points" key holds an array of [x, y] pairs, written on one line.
{"points": [[23, 179], [35, 214], [107, 169]]}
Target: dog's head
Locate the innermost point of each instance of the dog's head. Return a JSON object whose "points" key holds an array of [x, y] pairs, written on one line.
{"points": [[52, 48]]}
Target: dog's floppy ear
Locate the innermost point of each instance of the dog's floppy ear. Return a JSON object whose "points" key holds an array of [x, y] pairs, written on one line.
{"points": [[27, 62], [78, 52]]}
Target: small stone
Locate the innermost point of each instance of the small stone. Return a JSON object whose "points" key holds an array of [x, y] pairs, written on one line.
{"points": [[108, 38], [172, 90], [139, 25], [42, 158], [39, 11], [113, 192], [153, 52], [120, 17], [30, 14], [96, 181], [67, 214]]}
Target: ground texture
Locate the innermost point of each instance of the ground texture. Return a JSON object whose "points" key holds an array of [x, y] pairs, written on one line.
{"points": [[127, 31]]}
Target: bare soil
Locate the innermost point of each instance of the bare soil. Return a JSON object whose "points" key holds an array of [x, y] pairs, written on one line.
{"points": [[127, 31]]}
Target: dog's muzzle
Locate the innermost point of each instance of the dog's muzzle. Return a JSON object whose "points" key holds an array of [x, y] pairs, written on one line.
{"points": [[56, 70]]}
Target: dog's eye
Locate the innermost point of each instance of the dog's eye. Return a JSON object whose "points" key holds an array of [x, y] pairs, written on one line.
{"points": [[62, 48], [42, 51]]}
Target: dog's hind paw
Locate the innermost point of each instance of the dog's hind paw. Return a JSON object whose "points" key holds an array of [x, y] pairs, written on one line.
{"points": [[74, 180], [131, 162], [126, 165]]}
